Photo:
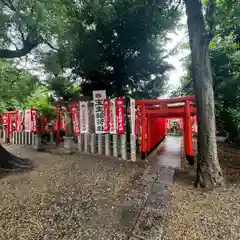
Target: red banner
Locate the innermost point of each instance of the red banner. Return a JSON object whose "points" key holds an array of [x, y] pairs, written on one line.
{"points": [[106, 103], [34, 115], [17, 122], [4, 118], [75, 119], [21, 120], [113, 116], [195, 125], [9, 124], [84, 117], [120, 115]]}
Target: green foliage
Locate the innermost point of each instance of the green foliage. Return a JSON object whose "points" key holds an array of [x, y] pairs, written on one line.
{"points": [[112, 45], [26, 24], [119, 46], [15, 86], [40, 99], [225, 60], [64, 88]]}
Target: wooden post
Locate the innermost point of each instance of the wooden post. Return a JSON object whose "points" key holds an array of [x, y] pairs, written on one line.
{"points": [[86, 143], [80, 143], [14, 137], [133, 147], [115, 145], [188, 138], [107, 145], [23, 138], [58, 135], [17, 138], [100, 144], [123, 147], [20, 138], [33, 139], [93, 143], [29, 138], [26, 138]]}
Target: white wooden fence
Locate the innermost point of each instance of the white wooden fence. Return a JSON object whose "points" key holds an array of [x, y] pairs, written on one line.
{"points": [[108, 145], [22, 138]]}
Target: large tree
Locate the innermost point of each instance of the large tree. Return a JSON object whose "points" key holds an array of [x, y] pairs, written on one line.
{"points": [[16, 85], [120, 46], [201, 31], [27, 24]]}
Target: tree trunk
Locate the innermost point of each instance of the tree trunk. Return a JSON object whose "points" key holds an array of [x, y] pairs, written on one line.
{"points": [[12, 163], [209, 174]]}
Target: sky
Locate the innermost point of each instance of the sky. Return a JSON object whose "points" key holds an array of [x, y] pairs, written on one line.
{"points": [[177, 38]]}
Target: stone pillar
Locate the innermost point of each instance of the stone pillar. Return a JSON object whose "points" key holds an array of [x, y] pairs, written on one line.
{"points": [[123, 147], [51, 138], [107, 145], [93, 143], [115, 145], [80, 143], [133, 148], [86, 139], [5, 138], [100, 144], [68, 144], [37, 142]]}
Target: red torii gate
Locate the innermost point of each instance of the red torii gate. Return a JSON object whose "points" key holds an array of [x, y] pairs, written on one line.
{"points": [[183, 107]]}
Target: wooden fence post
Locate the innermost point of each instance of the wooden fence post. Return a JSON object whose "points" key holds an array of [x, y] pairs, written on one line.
{"points": [[123, 147], [93, 143], [107, 145], [100, 144], [115, 145]]}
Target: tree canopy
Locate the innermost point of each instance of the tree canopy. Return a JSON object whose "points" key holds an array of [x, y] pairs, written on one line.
{"points": [[120, 46], [16, 85], [27, 24]]}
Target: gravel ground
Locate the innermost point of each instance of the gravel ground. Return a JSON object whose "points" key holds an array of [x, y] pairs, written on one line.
{"points": [[206, 215], [66, 197]]}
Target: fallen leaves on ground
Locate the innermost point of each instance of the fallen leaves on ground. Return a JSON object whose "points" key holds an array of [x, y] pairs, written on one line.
{"points": [[206, 215], [65, 197]]}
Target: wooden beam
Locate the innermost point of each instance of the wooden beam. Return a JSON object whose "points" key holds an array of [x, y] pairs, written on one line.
{"points": [[167, 100]]}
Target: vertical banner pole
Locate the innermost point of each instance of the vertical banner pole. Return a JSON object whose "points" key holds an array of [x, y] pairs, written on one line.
{"points": [[133, 135], [107, 144]]}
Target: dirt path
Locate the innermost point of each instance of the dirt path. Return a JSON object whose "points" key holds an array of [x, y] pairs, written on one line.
{"points": [[65, 197], [198, 215]]}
